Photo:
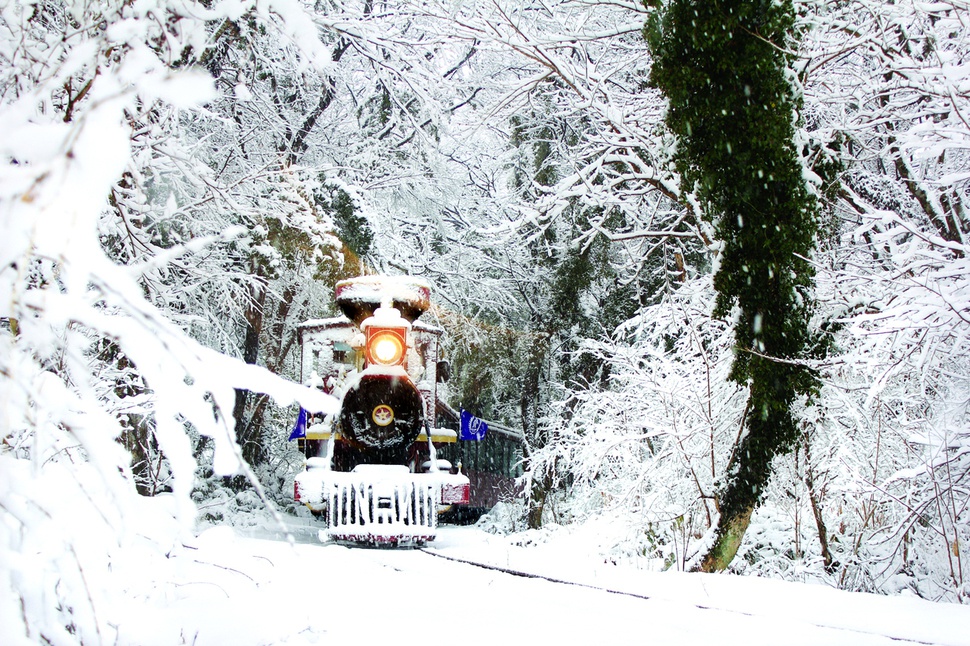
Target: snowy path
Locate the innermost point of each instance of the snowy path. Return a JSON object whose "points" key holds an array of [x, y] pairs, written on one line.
{"points": [[229, 589]]}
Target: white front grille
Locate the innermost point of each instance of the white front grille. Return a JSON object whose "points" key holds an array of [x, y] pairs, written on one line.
{"points": [[381, 506]]}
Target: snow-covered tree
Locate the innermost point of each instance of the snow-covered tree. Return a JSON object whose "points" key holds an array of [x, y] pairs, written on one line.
{"points": [[882, 445], [105, 240]]}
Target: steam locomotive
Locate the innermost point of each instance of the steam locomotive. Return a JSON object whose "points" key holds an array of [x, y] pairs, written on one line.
{"points": [[376, 471]]}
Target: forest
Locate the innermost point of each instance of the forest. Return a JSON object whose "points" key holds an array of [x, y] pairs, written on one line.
{"points": [[709, 258]]}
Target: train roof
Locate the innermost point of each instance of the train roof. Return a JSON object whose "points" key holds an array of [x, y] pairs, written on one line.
{"points": [[313, 325], [358, 297]]}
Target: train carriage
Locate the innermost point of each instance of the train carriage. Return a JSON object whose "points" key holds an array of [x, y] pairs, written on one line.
{"points": [[377, 471], [492, 464]]}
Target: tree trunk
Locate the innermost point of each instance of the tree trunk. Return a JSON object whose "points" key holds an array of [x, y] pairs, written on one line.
{"points": [[751, 468], [537, 503], [529, 404], [730, 531], [244, 431], [823, 534], [139, 440]]}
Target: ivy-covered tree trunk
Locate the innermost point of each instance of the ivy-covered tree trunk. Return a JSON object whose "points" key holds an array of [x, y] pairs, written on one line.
{"points": [[723, 66]]}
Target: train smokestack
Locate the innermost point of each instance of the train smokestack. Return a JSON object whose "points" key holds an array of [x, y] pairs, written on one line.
{"points": [[358, 298]]}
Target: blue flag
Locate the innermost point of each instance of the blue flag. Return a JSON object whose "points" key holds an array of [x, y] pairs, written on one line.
{"points": [[299, 429], [472, 428]]}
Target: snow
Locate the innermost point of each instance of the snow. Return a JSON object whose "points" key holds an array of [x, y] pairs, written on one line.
{"points": [[75, 565], [255, 586]]}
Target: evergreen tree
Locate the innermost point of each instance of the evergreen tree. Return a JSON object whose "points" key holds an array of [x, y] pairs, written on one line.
{"points": [[723, 66]]}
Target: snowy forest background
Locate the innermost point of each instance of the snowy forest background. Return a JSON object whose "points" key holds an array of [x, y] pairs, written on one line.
{"points": [[183, 183]]}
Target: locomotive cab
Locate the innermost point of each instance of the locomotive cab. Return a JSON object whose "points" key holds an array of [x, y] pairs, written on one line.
{"points": [[366, 470]]}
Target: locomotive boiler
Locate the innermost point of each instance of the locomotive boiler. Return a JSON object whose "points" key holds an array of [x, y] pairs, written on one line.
{"points": [[373, 470]]}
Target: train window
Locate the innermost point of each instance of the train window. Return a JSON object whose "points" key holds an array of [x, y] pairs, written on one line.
{"points": [[343, 353], [495, 454]]}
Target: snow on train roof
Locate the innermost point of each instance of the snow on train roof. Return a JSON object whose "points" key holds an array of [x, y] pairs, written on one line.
{"points": [[378, 287], [359, 297], [313, 325]]}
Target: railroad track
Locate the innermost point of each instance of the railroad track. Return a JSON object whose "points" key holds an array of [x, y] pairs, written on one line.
{"points": [[407, 562], [533, 575], [646, 597]]}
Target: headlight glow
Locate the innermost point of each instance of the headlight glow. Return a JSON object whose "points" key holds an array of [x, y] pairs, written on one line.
{"points": [[386, 348]]}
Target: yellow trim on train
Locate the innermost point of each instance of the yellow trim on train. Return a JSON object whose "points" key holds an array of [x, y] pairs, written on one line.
{"points": [[438, 436]]}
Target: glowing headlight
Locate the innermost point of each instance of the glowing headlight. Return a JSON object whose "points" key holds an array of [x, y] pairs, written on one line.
{"points": [[386, 348]]}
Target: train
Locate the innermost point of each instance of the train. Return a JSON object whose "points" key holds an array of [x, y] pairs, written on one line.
{"points": [[389, 466]]}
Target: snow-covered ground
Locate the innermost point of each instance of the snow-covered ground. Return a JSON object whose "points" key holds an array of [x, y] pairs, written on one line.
{"points": [[255, 586]]}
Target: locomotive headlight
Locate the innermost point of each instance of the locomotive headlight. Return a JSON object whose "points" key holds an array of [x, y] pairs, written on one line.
{"points": [[385, 346], [385, 337]]}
